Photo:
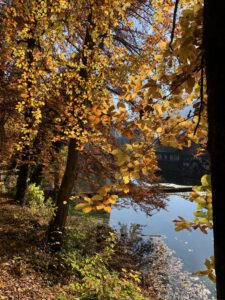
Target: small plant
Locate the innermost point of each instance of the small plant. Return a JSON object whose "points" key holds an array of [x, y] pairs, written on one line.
{"points": [[61, 297], [19, 265], [35, 200], [2, 188]]}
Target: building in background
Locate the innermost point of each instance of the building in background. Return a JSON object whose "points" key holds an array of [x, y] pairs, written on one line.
{"points": [[183, 166]]}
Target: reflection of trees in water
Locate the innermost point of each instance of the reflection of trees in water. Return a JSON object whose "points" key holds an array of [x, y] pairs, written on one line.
{"points": [[169, 280], [180, 178], [161, 272]]}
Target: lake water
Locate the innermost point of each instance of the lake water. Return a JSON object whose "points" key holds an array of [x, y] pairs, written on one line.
{"points": [[191, 247]]}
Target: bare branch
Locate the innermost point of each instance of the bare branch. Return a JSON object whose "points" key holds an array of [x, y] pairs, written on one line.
{"points": [[201, 95], [174, 24]]}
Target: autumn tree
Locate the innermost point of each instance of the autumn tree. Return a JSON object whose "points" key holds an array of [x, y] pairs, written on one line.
{"points": [[23, 28], [117, 74], [95, 115], [8, 114], [74, 77]]}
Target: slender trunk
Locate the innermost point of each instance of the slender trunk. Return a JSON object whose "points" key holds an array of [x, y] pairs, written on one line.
{"points": [[21, 184], [54, 193], [214, 44], [36, 175], [24, 169], [57, 226]]}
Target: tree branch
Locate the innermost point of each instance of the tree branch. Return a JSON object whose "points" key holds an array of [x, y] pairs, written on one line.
{"points": [[201, 95], [174, 24]]}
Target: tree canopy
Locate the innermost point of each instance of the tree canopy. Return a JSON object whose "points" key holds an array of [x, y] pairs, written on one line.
{"points": [[88, 89]]}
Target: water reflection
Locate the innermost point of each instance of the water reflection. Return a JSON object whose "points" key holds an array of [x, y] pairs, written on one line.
{"points": [[191, 247]]}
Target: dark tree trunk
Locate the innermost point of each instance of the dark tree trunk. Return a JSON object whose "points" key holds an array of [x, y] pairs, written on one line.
{"points": [[214, 46], [57, 226], [21, 184], [36, 175], [57, 146]]}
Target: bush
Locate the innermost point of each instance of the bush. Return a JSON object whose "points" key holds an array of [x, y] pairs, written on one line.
{"points": [[86, 234], [35, 200], [95, 281]]}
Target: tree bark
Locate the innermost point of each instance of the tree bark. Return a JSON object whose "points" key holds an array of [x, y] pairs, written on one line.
{"points": [[24, 169], [214, 47], [21, 184], [36, 175], [57, 226]]}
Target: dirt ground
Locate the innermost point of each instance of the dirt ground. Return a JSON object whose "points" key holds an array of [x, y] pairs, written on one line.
{"points": [[24, 263]]}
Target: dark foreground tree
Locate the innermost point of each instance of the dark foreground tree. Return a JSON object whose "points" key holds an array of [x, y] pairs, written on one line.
{"points": [[57, 225], [214, 43]]}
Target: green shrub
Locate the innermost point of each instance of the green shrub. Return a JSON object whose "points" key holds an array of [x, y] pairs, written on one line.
{"points": [[94, 281], [86, 234], [35, 200]]}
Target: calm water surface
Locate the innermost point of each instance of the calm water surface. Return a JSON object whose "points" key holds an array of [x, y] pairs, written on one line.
{"points": [[191, 247]]}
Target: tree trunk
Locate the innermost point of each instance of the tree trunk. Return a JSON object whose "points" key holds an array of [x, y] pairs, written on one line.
{"points": [[21, 184], [214, 46], [36, 175], [57, 226]]}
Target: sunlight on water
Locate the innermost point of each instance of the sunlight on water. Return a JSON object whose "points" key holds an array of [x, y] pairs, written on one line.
{"points": [[191, 247]]}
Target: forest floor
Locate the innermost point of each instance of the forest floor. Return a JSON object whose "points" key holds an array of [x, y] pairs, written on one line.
{"points": [[22, 257]]}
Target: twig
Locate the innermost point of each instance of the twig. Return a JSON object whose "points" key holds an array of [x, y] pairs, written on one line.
{"points": [[174, 24], [201, 95]]}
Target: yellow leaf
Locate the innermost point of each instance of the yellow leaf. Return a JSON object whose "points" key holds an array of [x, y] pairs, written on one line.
{"points": [[114, 197], [87, 209], [162, 45], [106, 120], [87, 199], [94, 119], [121, 106], [99, 207], [97, 198], [158, 108], [25, 95], [107, 209], [116, 152], [135, 175], [80, 206], [126, 190], [128, 147], [126, 179], [96, 110], [205, 180], [159, 130], [111, 200], [137, 85], [144, 171], [103, 190]]}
